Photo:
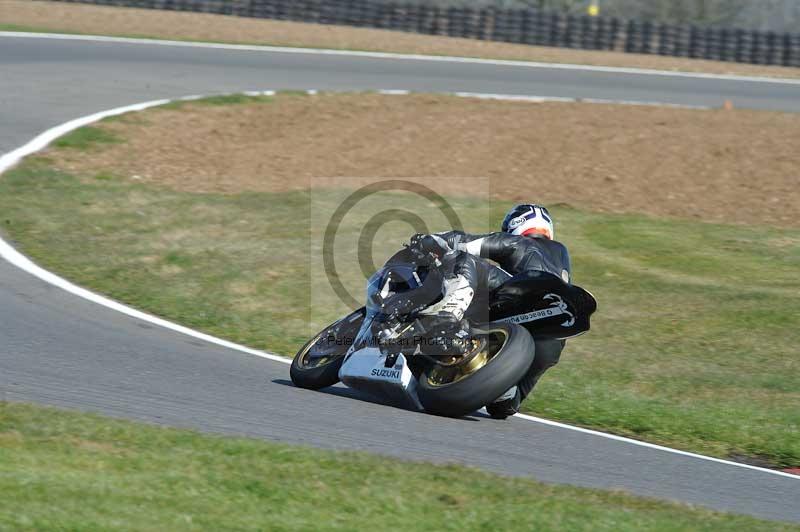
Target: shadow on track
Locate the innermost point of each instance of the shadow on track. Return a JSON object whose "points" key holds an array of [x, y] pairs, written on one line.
{"points": [[349, 393]]}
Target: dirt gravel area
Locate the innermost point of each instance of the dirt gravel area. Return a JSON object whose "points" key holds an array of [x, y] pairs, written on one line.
{"points": [[77, 18], [732, 166]]}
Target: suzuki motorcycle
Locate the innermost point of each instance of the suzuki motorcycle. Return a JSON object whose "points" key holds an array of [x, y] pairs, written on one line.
{"points": [[404, 346]]}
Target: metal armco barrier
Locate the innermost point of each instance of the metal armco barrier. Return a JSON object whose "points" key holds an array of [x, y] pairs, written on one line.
{"points": [[523, 26]]}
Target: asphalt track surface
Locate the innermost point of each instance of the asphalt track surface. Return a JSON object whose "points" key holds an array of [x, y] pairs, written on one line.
{"points": [[58, 349]]}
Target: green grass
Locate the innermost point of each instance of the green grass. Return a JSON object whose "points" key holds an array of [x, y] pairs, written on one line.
{"points": [[695, 340], [86, 138], [28, 29], [69, 471], [693, 345], [223, 99]]}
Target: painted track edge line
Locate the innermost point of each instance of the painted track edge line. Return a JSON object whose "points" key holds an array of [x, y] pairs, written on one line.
{"points": [[14, 257], [654, 446], [401, 56], [19, 260]]}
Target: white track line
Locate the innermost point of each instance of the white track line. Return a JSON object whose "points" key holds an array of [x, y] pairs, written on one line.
{"points": [[652, 445], [412, 57], [540, 99], [16, 258]]}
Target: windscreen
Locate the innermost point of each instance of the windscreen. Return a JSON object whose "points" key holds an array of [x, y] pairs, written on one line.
{"points": [[389, 281]]}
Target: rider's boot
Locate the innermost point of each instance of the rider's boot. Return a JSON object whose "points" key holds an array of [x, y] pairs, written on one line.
{"points": [[547, 354], [505, 405]]}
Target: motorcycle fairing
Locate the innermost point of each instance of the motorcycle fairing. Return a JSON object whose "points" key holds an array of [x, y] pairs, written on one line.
{"points": [[544, 304], [365, 369]]}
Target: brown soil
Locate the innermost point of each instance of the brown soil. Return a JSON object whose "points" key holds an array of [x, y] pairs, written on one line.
{"points": [[727, 166], [56, 16]]}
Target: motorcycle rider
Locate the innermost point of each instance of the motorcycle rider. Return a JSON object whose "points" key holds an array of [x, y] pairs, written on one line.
{"points": [[525, 243]]}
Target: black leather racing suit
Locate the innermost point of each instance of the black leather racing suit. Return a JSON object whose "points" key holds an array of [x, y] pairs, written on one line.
{"points": [[517, 254]]}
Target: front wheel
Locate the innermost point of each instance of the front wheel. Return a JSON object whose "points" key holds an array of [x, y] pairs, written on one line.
{"points": [[317, 363], [504, 352]]}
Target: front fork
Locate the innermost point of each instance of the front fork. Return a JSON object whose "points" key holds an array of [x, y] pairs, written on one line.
{"points": [[431, 337]]}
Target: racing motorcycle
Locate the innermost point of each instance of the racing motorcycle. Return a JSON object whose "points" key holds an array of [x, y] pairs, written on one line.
{"points": [[405, 346]]}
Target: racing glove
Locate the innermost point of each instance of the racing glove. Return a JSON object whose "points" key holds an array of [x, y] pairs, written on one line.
{"points": [[433, 244]]}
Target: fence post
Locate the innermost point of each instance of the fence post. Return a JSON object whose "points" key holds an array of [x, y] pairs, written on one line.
{"points": [[502, 29], [412, 20], [792, 56], [616, 35], [742, 45], [631, 33], [490, 24], [517, 26], [585, 33], [759, 55], [774, 51], [570, 32], [726, 49], [549, 26], [648, 35], [695, 49], [528, 28], [455, 22], [472, 21], [711, 37], [602, 36], [666, 39], [560, 36]]}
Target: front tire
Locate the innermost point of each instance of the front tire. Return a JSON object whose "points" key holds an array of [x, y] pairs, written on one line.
{"points": [[510, 352], [311, 370]]}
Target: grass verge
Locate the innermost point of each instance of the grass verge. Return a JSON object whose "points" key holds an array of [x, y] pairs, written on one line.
{"points": [[70, 471], [85, 137], [692, 347], [217, 100]]}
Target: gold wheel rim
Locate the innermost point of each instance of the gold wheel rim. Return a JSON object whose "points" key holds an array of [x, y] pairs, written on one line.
{"points": [[442, 376]]}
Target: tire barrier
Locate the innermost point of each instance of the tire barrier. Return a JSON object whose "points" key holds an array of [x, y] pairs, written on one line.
{"points": [[521, 26]]}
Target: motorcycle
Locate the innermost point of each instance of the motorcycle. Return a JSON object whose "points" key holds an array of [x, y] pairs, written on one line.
{"points": [[404, 346]]}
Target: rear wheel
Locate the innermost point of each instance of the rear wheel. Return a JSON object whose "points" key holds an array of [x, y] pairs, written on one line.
{"points": [[317, 363], [502, 353]]}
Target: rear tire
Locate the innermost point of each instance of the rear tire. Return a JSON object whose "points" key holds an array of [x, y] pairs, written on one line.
{"points": [[321, 375], [487, 383]]}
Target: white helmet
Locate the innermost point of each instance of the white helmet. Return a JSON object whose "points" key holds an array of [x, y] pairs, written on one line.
{"points": [[529, 220]]}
